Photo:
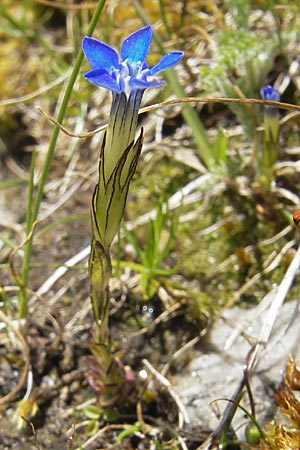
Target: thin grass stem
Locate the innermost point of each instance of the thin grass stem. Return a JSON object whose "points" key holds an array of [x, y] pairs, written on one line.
{"points": [[164, 17], [52, 144]]}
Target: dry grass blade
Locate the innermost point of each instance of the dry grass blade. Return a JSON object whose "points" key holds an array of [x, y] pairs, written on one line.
{"points": [[274, 310], [66, 131], [262, 340], [177, 101], [183, 415]]}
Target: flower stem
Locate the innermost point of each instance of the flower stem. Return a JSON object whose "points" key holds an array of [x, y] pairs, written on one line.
{"points": [[100, 272]]}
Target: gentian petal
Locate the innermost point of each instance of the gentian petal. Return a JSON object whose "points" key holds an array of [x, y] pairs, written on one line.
{"points": [[136, 46], [166, 62], [99, 55], [102, 78]]}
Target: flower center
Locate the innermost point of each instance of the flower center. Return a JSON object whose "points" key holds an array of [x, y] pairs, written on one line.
{"points": [[128, 71]]}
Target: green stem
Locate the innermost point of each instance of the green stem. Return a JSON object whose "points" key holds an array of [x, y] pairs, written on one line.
{"points": [[29, 221], [100, 272], [52, 144], [183, 12]]}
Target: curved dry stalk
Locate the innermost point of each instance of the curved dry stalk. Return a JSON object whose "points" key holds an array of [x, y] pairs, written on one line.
{"points": [[66, 131], [25, 369], [19, 247], [243, 101], [183, 415]]}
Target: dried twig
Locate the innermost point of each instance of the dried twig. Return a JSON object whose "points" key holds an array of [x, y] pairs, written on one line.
{"points": [[263, 338], [183, 415]]}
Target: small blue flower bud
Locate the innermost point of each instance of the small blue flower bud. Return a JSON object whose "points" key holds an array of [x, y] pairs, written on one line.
{"points": [[270, 93]]}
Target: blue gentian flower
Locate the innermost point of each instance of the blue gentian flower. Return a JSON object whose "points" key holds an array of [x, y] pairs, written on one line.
{"points": [[270, 93], [130, 72], [127, 77]]}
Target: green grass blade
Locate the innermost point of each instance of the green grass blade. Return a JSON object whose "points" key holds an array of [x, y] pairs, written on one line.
{"points": [[52, 144]]}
